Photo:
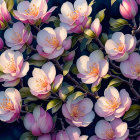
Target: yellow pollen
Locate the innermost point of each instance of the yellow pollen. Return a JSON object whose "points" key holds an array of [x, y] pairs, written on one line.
{"points": [[33, 11], [41, 83], [93, 70], [53, 41], [110, 133], [136, 69], [11, 66], [74, 15], [17, 37], [6, 105], [120, 47]]}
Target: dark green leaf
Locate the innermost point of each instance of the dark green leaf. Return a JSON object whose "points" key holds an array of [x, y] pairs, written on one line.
{"points": [[83, 44], [37, 63], [96, 88], [67, 67], [101, 15], [74, 69], [53, 103], [115, 82], [104, 38], [56, 108], [25, 92], [75, 39]]}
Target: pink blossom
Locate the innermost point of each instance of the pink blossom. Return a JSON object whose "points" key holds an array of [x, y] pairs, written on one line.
{"points": [[115, 130], [120, 46], [138, 1], [4, 14], [40, 83], [131, 67], [50, 42], [1, 43], [128, 9], [71, 133], [10, 105], [74, 18], [39, 123], [93, 68], [96, 27], [13, 67], [113, 104], [70, 56], [45, 137], [78, 112], [67, 44], [17, 36], [32, 12]]}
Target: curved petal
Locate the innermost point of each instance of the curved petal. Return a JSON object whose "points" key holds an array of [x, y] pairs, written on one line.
{"points": [[103, 67], [118, 37]]}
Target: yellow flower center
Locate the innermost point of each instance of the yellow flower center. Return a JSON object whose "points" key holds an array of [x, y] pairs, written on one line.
{"points": [[74, 15], [6, 105], [32, 11], [41, 84], [110, 134], [53, 42], [17, 37], [120, 47]]}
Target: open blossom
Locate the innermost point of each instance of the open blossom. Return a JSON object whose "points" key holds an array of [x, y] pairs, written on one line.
{"points": [[113, 104], [74, 18], [1, 43], [120, 46], [32, 12], [4, 14], [40, 83], [128, 9], [115, 130], [17, 36], [71, 133], [93, 68], [131, 67], [50, 42], [13, 67], [96, 27], [39, 123], [78, 113], [10, 105]]}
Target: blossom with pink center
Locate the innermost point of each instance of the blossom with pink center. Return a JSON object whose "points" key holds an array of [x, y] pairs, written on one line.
{"points": [[50, 42], [31, 12], [10, 105], [4, 14], [39, 123], [113, 104], [71, 133], [96, 27], [138, 1], [1, 43], [115, 130], [78, 112], [17, 36], [128, 9], [13, 67], [40, 83], [131, 67], [93, 68], [74, 18], [119, 47]]}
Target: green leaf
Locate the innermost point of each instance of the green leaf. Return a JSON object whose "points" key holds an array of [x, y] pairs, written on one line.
{"points": [[25, 92], [115, 82], [67, 67], [112, 2], [28, 28], [96, 88], [67, 89], [83, 44], [76, 95], [115, 71], [37, 63], [30, 107], [101, 15], [106, 76], [92, 47], [57, 22], [30, 99], [27, 136], [74, 69], [53, 103], [91, 3], [75, 39], [56, 108], [117, 24], [84, 86], [88, 33], [104, 38], [10, 4]]}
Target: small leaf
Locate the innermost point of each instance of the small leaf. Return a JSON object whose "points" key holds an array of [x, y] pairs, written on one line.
{"points": [[83, 44], [67, 89], [106, 76], [53, 103], [27, 136], [91, 3], [92, 47], [88, 33], [101, 15], [37, 63], [117, 24], [28, 27], [57, 22], [104, 38], [84, 86], [67, 67], [57, 107], [76, 95], [30, 107], [74, 69], [25, 92], [115, 82], [75, 39], [115, 71], [10, 4], [112, 2], [96, 88]]}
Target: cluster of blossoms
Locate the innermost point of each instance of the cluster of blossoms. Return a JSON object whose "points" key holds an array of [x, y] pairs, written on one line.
{"points": [[45, 87]]}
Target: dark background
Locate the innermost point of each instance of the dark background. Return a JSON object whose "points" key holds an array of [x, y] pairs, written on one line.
{"points": [[14, 130]]}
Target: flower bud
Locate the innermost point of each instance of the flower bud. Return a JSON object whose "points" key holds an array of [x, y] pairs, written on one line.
{"points": [[128, 9], [1, 43], [67, 44], [70, 56], [96, 27]]}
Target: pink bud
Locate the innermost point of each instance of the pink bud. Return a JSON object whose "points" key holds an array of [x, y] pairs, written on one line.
{"points": [[1, 43], [67, 44], [57, 82], [45, 137], [70, 56], [138, 1], [96, 27], [128, 9], [62, 134]]}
